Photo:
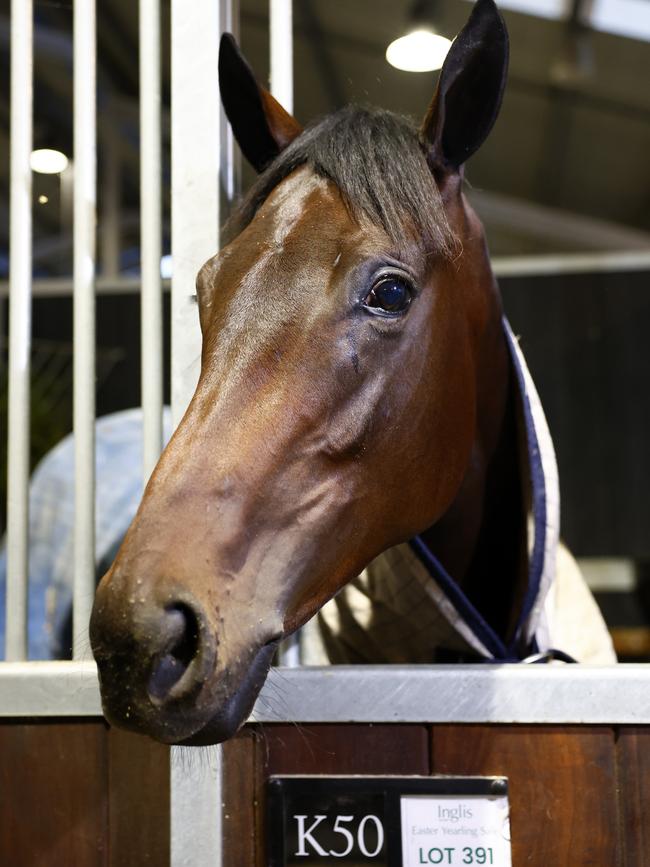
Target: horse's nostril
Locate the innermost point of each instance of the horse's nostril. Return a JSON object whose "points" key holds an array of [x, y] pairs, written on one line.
{"points": [[180, 640]]}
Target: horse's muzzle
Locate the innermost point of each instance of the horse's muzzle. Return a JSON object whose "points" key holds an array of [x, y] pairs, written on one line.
{"points": [[162, 672]]}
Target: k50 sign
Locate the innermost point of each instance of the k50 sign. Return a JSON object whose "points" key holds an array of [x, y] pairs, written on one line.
{"points": [[370, 845], [391, 821]]}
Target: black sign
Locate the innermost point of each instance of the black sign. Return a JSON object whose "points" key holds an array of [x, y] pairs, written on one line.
{"points": [[314, 820]]}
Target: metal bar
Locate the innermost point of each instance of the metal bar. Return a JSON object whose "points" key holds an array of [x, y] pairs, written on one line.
{"points": [[53, 287], [532, 694], [504, 694], [196, 122], [46, 689], [195, 140], [451, 694], [571, 263], [109, 225], [85, 174], [281, 25], [230, 155], [20, 305], [196, 807], [151, 235]]}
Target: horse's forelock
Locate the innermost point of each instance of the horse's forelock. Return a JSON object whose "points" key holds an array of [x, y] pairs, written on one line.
{"points": [[375, 159]]}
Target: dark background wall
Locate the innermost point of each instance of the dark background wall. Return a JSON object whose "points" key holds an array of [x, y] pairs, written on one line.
{"points": [[586, 340], [118, 344]]}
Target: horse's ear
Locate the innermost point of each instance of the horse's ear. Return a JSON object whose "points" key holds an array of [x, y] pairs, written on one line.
{"points": [[470, 88], [260, 124]]}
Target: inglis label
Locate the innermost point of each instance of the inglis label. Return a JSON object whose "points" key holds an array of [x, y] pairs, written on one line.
{"points": [[444, 829], [388, 821]]}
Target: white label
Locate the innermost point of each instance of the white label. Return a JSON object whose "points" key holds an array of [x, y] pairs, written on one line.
{"points": [[455, 830]]}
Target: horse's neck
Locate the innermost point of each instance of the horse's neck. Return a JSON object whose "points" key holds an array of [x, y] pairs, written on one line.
{"points": [[481, 539]]}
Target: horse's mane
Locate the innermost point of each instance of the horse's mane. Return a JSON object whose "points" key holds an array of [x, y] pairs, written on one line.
{"points": [[376, 160]]}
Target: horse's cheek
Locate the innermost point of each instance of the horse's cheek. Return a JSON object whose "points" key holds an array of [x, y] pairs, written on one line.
{"points": [[450, 426]]}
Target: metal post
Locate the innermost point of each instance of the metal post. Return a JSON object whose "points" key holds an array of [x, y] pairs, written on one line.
{"points": [[196, 807], [151, 235], [85, 172], [196, 787], [282, 52], [230, 156], [195, 126], [20, 304], [66, 208], [109, 225]]}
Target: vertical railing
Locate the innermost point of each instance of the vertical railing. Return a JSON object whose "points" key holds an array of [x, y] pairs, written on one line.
{"points": [[281, 51], [197, 158], [195, 134], [84, 226], [151, 235], [20, 304], [110, 184]]}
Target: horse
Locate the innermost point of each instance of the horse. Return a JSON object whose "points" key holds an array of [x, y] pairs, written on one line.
{"points": [[359, 388]]}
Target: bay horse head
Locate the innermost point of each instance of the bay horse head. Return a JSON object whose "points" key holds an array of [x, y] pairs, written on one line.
{"points": [[352, 389]]}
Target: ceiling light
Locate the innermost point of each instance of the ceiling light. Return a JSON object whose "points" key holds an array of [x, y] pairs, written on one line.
{"points": [[48, 162], [419, 51]]}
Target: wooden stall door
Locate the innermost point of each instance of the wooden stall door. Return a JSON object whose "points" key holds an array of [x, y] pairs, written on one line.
{"points": [[76, 794], [562, 784], [578, 794]]}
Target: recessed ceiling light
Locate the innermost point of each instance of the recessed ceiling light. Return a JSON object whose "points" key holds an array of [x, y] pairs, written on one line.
{"points": [[418, 51], [48, 162]]}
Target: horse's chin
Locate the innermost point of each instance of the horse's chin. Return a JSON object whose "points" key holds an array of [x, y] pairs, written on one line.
{"points": [[211, 719], [233, 714]]}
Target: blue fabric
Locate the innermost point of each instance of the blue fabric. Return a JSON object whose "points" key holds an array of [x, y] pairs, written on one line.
{"points": [[538, 487], [480, 627], [51, 523]]}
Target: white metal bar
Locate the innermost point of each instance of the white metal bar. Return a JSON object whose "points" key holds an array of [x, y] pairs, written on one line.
{"points": [[46, 689], [63, 286], [290, 651], [196, 123], [85, 176], [20, 277], [563, 694], [230, 155], [571, 263], [151, 234], [196, 807], [500, 694], [66, 205], [195, 138], [281, 25]]}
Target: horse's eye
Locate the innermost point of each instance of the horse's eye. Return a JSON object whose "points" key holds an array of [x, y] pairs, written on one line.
{"points": [[390, 294]]}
